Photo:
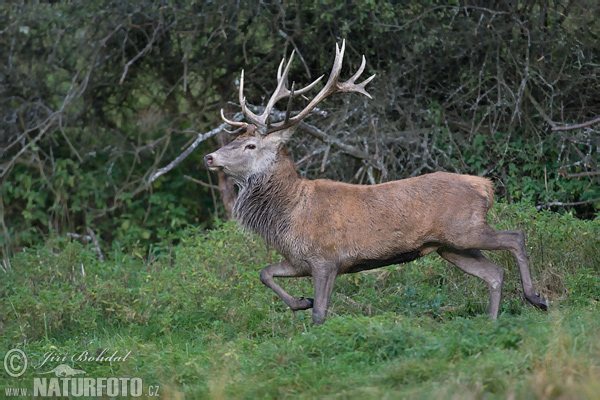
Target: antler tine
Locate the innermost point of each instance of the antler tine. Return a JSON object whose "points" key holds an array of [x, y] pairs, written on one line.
{"points": [[255, 119], [235, 130], [337, 63], [233, 123], [289, 106], [281, 66], [281, 91], [284, 92], [351, 86], [309, 87], [360, 70], [241, 92]]}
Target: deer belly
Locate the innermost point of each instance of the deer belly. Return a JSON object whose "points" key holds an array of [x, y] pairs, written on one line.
{"points": [[363, 265]]}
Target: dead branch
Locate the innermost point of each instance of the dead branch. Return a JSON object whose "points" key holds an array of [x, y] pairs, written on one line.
{"points": [[78, 236], [291, 40], [577, 126], [49, 122], [141, 53], [541, 111], [91, 236], [457, 8], [579, 174], [201, 137], [324, 137], [208, 185], [96, 244], [43, 127], [309, 156], [566, 204]]}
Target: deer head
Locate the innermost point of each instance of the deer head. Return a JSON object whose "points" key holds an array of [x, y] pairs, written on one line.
{"points": [[256, 150]]}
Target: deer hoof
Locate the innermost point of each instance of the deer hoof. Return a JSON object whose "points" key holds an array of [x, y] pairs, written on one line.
{"points": [[539, 302], [542, 305], [302, 303], [318, 320]]}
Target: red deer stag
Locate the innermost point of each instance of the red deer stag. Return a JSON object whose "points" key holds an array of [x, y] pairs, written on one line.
{"points": [[324, 228]]}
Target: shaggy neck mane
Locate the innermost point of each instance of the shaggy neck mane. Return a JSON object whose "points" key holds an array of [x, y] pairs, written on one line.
{"points": [[266, 199]]}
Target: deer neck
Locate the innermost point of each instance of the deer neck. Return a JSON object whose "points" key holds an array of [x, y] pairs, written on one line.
{"points": [[266, 200]]}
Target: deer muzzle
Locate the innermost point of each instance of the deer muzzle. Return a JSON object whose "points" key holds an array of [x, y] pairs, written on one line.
{"points": [[209, 159]]}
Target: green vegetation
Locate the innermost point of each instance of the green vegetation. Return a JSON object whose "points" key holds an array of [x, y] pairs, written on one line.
{"points": [[201, 325]]}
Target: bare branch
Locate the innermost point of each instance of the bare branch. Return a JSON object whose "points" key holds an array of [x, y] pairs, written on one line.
{"points": [[78, 236], [578, 175], [310, 155], [201, 137], [96, 244], [458, 8], [291, 40], [44, 127], [323, 136], [51, 119], [324, 161], [578, 126], [562, 204], [208, 185], [141, 53], [541, 111]]}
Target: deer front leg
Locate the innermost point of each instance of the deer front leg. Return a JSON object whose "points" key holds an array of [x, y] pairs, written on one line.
{"points": [[324, 278], [286, 270]]}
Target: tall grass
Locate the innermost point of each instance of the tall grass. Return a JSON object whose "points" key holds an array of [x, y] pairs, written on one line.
{"points": [[201, 325]]}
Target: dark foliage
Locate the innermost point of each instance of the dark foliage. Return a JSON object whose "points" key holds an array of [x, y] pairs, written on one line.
{"points": [[96, 96]]}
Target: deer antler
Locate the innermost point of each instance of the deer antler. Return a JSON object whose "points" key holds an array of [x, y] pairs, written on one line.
{"points": [[332, 86], [233, 123]]}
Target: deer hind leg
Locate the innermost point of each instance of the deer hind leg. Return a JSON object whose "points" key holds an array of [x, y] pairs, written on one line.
{"points": [[287, 270], [474, 263], [513, 241]]}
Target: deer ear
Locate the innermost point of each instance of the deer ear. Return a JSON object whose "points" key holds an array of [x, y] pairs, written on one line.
{"points": [[281, 136], [275, 138]]}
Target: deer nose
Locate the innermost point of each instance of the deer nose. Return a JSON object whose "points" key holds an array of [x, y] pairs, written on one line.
{"points": [[208, 159]]}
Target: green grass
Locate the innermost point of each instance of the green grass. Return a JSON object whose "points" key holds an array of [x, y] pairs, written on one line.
{"points": [[200, 324]]}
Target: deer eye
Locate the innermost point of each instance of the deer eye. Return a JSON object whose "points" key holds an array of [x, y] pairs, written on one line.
{"points": [[250, 147]]}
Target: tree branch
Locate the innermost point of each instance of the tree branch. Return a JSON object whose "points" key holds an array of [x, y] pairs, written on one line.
{"points": [[541, 111], [578, 126], [96, 244], [201, 137], [578, 175], [208, 185], [141, 53], [323, 136], [561, 204]]}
